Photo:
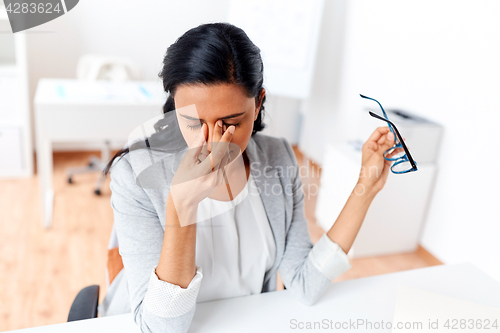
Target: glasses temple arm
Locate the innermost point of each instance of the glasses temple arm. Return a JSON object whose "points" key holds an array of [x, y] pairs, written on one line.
{"points": [[373, 99]]}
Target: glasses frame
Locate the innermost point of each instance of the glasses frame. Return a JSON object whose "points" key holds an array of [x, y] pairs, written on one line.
{"points": [[399, 142]]}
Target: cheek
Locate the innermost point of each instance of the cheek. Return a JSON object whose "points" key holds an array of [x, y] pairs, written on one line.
{"points": [[242, 135], [238, 140], [189, 135]]}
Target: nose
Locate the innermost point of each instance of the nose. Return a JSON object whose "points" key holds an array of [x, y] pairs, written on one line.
{"points": [[211, 128]]}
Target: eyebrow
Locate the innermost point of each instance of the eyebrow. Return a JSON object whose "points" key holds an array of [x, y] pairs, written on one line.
{"points": [[234, 115]]}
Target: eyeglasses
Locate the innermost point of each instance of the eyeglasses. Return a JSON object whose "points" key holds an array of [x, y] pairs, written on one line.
{"points": [[403, 162]]}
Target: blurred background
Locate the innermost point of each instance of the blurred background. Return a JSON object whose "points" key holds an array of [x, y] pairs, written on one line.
{"points": [[73, 88]]}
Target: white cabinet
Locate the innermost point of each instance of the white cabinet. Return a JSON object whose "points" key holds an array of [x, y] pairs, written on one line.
{"points": [[16, 152], [10, 148]]}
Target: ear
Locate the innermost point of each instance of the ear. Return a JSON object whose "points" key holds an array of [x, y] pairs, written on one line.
{"points": [[257, 108]]}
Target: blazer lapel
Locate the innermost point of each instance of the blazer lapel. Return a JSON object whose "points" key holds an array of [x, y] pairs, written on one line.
{"points": [[267, 179]]}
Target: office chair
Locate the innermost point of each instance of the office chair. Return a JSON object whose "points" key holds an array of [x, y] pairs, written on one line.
{"points": [[86, 302], [98, 67]]}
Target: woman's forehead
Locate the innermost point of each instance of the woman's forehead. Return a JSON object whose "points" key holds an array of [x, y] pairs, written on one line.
{"points": [[212, 101]]}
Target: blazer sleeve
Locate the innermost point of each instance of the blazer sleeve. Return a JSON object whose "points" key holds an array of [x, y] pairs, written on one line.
{"points": [[157, 306], [305, 269]]}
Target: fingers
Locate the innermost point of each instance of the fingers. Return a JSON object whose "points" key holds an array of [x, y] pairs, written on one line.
{"points": [[217, 133], [382, 139], [378, 133], [377, 139], [219, 149], [388, 142], [216, 137], [228, 135], [199, 142], [394, 152]]}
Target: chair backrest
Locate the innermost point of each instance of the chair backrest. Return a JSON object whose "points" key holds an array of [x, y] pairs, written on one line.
{"points": [[85, 304], [102, 67]]}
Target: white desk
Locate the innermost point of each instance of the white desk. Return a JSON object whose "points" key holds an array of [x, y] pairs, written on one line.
{"points": [[371, 298], [87, 111]]}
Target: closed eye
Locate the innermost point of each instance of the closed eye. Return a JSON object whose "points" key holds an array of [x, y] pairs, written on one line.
{"points": [[197, 126], [227, 125], [194, 127]]}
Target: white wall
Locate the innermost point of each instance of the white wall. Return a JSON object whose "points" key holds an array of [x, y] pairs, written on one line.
{"points": [[317, 127], [139, 30], [439, 59]]}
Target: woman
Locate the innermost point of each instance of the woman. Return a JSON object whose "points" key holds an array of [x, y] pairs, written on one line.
{"points": [[242, 188]]}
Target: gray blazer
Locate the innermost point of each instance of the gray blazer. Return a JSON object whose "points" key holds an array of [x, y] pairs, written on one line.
{"points": [[139, 217]]}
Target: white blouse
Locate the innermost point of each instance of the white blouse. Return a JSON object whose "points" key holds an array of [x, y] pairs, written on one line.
{"points": [[234, 245], [235, 248]]}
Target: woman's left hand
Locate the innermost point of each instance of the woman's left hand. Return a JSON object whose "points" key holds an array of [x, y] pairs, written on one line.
{"points": [[374, 167]]}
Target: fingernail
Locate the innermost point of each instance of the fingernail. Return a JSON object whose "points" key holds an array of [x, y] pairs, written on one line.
{"points": [[390, 136], [219, 122], [231, 129]]}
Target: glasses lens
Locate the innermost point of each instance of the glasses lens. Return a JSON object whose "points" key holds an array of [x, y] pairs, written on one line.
{"points": [[394, 153], [401, 166]]}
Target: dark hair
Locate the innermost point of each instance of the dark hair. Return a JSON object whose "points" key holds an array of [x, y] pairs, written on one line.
{"points": [[210, 54]]}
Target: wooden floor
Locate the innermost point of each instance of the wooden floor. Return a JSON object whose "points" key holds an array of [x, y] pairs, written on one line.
{"points": [[42, 270]]}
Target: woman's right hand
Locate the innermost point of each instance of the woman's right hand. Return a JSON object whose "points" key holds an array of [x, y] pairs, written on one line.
{"points": [[198, 176]]}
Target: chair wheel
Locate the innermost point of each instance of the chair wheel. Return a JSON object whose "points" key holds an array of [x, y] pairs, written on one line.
{"points": [[97, 192], [70, 180]]}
